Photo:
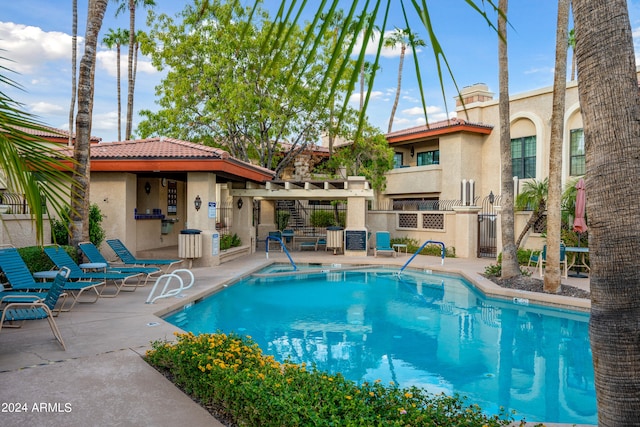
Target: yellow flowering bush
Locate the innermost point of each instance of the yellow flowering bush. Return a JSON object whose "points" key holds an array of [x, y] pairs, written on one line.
{"points": [[230, 372]]}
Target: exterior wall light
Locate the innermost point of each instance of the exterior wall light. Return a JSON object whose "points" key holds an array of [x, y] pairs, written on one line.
{"points": [[240, 203], [197, 202], [412, 151], [147, 188]]}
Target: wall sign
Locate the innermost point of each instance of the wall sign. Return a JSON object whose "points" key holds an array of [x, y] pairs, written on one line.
{"points": [[355, 240]]}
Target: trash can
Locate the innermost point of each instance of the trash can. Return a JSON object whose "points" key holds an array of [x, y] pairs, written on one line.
{"points": [[190, 243], [335, 238]]}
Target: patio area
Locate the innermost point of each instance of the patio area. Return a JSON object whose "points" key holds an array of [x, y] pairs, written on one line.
{"points": [[101, 378]]}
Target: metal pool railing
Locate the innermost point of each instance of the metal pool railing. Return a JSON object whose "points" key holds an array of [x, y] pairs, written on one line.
{"points": [[284, 248], [442, 253]]}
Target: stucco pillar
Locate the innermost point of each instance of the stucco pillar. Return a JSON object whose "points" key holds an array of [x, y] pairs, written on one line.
{"points": [[267, 221], [242, 221], [466, 239], [203, 185], [356, 233]]}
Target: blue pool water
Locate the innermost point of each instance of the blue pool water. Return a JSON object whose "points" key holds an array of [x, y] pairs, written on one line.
{"points": [[428, 330]]}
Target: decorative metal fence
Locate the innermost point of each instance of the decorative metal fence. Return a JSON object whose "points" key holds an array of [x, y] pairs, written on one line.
{"points": [[418, 205], [16, 202], [309, 216]]}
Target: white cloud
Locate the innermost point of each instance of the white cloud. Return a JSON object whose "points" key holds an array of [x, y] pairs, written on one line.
{"points": [[31, 47], [107, 60], [46, 108], [372, 47], [376, 95], [418, 111]]}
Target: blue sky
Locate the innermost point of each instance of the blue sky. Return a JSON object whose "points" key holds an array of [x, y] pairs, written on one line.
{"points": [[36, 36]]}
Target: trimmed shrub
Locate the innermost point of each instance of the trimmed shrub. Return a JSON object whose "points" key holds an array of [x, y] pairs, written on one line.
{"points": [[230, 373]]}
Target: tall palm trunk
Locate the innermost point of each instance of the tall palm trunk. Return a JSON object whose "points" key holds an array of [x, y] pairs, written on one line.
{"points": [[510, 266], [403, 49], [74, 68], [119, 92], [610, 105], [132, 35], [554, 199], [79, 200]]}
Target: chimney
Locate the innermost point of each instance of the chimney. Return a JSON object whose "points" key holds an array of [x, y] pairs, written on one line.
{"points": [[478, 92]]}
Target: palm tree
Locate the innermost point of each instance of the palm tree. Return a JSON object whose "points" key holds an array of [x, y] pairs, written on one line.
{"points": [[403, 38], [131, 5], [20, 150], [510, 265], [554, 202], [117, 38], [533, 197], [610, 106], [80, 199], [572, 44], [74, 67]]}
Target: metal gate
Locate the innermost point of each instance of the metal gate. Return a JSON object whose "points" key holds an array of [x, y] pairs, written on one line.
{"points": [[487, 228]]}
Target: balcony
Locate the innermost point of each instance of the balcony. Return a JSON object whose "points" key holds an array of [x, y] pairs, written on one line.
{"points": [[414, 179]]}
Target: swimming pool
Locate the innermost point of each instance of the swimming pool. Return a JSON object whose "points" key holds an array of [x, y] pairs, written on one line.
{"points": [[428, 330]]}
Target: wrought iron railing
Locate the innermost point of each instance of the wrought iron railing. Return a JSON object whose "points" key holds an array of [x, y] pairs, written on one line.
{"points": [[16, 202]]}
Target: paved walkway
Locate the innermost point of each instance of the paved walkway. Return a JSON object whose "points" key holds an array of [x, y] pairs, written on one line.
{"points": [[101, 378]]}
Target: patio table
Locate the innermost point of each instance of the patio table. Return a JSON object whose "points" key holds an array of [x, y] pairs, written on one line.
{"points": [[576, 258]]}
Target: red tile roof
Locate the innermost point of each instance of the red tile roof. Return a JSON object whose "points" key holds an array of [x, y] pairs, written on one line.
{"points": [[154, 148], [168, 154], [438, 128], [49, 132]]}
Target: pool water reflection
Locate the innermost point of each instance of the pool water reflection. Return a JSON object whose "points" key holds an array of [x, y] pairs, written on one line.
{"points": [[428, 330]]}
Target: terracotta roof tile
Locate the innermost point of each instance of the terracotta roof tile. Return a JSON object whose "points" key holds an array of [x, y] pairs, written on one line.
{"points": [[450, 123], [51, 133], [155, 148]]}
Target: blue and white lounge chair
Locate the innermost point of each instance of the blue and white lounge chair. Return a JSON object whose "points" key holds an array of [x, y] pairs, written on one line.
{"points": [[383, 244], [129, 259], [21, 279], [40, 309], [94, 256], [61, 258]]}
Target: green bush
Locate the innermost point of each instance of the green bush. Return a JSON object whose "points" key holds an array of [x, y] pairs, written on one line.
{"points": [[37, 260], [282, 219], [228, 241], [431, 249], [322, 219], [60, 228], [230, 373]]}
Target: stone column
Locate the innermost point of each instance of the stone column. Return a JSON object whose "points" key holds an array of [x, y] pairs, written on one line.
{"points": [[356, 233], [203, 185], [466, 238]]}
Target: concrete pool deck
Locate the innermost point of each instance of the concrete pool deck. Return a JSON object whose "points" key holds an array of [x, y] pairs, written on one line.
{"points": [[101, 378]]}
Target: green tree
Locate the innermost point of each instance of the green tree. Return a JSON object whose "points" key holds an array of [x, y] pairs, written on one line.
{"points": [[130, 6], [510, 266], [74, 66], [554, 201], [80, 198], [571, 41], [117, 38], [20, 150], [369, 155], [533, 197], [227, 91], [610, 106], [404, 38]]}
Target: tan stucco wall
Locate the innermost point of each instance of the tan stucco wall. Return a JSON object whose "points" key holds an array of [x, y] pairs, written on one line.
{"points": [[20, 230]]}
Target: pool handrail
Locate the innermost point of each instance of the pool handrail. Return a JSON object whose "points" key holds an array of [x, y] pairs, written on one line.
{"points": [[166, 293], [284, 248], [442, 253]]}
